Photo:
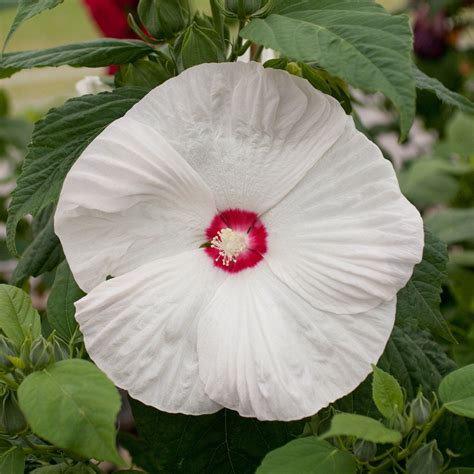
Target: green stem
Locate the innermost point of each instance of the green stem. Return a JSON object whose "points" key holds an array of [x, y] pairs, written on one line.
{"points": [[413, 447], [257, 54], [238, 43]]}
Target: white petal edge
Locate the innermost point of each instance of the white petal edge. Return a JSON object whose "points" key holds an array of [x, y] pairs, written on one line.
{"points": [[141, 330], [345, 238], [129, 198], [251, 133], [266, 353]]}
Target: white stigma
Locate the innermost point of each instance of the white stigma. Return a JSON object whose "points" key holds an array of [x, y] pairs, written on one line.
{"points": [[230, 244]]}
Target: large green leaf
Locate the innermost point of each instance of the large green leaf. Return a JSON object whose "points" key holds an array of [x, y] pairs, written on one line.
{"points": [[57, 142], [222, 442], [457, 391], [12, 462], [415, 360], [452, 225], [28, 9], [356, 40], [61, 310], [443, 93], [361, 427], [308, 456], [18, 318], [73, 405], [96, 53], [418, 302], [43, 255]]}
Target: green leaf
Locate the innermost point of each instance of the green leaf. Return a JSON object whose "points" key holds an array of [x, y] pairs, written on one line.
{"points": [[146, 73], [96, 53], [57, 142], [443, 93], [356, 40], [42, 255], [415, 360], [221, 442], [61, 310], [18, 318], [418, 302], [65, 469], [456, 391], [83, 403], [387, 394], [12, 462], [452, 225], [307, 456], [28, 9], [361, 427]]}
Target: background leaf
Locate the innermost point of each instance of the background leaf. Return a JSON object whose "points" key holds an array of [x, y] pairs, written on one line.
{"points": [[96, 53], [308, 456], [361, 427], [356, 40], [57, 142], [83, 403], [456, 391], [61, 310], [452, 225], [418, 302], [443, 93], [222, 442], [28, 9], [18, 318]]}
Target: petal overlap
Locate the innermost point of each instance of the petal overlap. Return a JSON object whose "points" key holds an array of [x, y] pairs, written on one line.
{"points": [[265, 352], [141, 330], [250, 133], [129, 199], [345, 238]]}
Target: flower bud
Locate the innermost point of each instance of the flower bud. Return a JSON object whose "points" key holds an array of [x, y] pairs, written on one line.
{"points": [[364, 450], [197, 45], [243, 9], [59, 349], [40, 354], [164, 19], [428, 458], [7, 350], [11, 417], [399, 423], [420, 409]]}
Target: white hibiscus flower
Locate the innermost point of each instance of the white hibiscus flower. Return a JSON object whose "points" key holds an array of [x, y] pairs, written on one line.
{"points": [[257, 242]]}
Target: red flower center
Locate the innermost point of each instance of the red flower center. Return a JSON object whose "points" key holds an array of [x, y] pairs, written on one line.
{"points": [[238, 240]]}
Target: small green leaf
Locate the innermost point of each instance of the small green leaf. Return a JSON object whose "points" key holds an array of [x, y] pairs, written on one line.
{"points": [[307, 456], [65, 469], [83, 403], [28, 9], [146, 73], [452, 225], [57, 142], [361, 427], [96, 53], [356, 40], [61, 310], [387, 394], [18, 318], [418, 302], [443, 93], [12, 461], [42, 255], [456, 391]]}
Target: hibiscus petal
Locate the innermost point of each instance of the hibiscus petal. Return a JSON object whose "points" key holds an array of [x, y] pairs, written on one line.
{"points": [[345, 238], [251, 133], [129, 199], [141, 330], [267, 353]]}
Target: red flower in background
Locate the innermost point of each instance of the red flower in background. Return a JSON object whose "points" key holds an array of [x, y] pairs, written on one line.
{"points": [[111, 18]]}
